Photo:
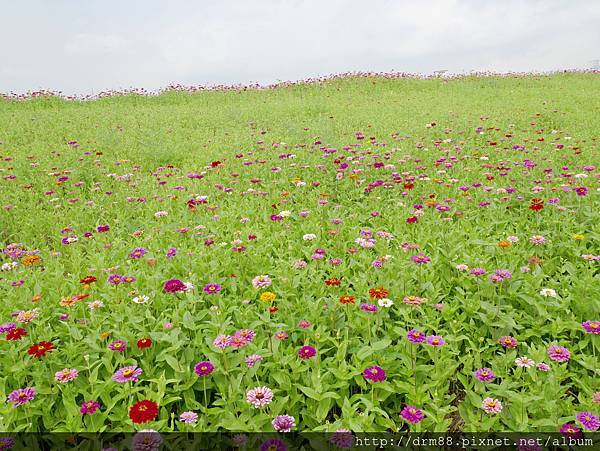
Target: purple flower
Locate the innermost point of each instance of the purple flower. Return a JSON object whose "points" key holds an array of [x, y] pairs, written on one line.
{"points": [[369, 308], [415, 336], [435, 340], [342, 438], [589, 421], [374, 374], [127, 374], [171, 252], [188, 417], [22, 396], [485, 375], [147, 440], [138, 253], [204, 368], [222, 341], [252, 360], [284, 423]]}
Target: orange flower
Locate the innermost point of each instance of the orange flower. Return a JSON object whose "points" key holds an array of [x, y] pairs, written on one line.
{"points": [[503, 244], [347, 299], [334, 281], [378, 293], [36, 298], [31, 260]]}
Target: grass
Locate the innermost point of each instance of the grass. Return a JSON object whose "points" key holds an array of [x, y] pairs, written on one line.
{"points": [[117, 146]]}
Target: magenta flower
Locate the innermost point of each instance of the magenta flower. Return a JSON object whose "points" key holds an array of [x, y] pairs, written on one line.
{"points": [[412, 414], [415, 336], [508, 342], [118, 346], [138, 253], [212, 288], [420, 259], [273, 444], [570, 430], [559, 353], [485, 375], [592, 327], [204, 368], [374, 374], [174, 286], [307, 352], [222, 341], [89, 407]]}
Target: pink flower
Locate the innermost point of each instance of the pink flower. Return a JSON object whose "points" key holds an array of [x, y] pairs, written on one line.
{"points": [[491, 406]]}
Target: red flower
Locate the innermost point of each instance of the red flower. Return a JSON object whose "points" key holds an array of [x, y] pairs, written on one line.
{"points": [[144, 343], [143, 411], [88, 279], [39, 350], [273, 309], [537, 204], [16, 334], [334, 281], [412, 219]]}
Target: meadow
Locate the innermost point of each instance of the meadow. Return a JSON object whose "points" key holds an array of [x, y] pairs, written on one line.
{"points": [[358, 254]]}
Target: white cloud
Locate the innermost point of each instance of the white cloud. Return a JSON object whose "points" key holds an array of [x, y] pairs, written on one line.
{"points": [[80, 47]]}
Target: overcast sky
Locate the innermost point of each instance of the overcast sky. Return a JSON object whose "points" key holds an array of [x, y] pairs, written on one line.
{"points": [[85, 46]]}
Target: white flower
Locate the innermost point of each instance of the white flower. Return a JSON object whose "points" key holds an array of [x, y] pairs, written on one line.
{"points": [[141, 299], [188, 286], [385, 302], [309, 237], [548, 292], [160, 214], [8, 266], [513, 239], [285, 213], [462, 267], [94, 305], [525, 362]]}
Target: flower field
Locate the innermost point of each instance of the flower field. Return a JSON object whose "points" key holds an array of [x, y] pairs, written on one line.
{"points": [[357, 254]]}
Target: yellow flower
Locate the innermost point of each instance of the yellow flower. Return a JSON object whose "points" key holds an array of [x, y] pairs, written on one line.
{"points": [[503, 244], [268, 296], [104, 335], [578, 237]]}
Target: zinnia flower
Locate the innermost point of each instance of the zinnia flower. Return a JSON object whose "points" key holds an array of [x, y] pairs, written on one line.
{"points": [[491, 406], [22, 396], [435, 340], [415, 336], [259, 396], [412, 414], [589, 421], [307, 352], [143, 411], [127, 374], [66, 375], [374, 374], [559, 353], [188, 417], [485, 374], [593, 327], [204, 368], [89, 407], [284, 423]]}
